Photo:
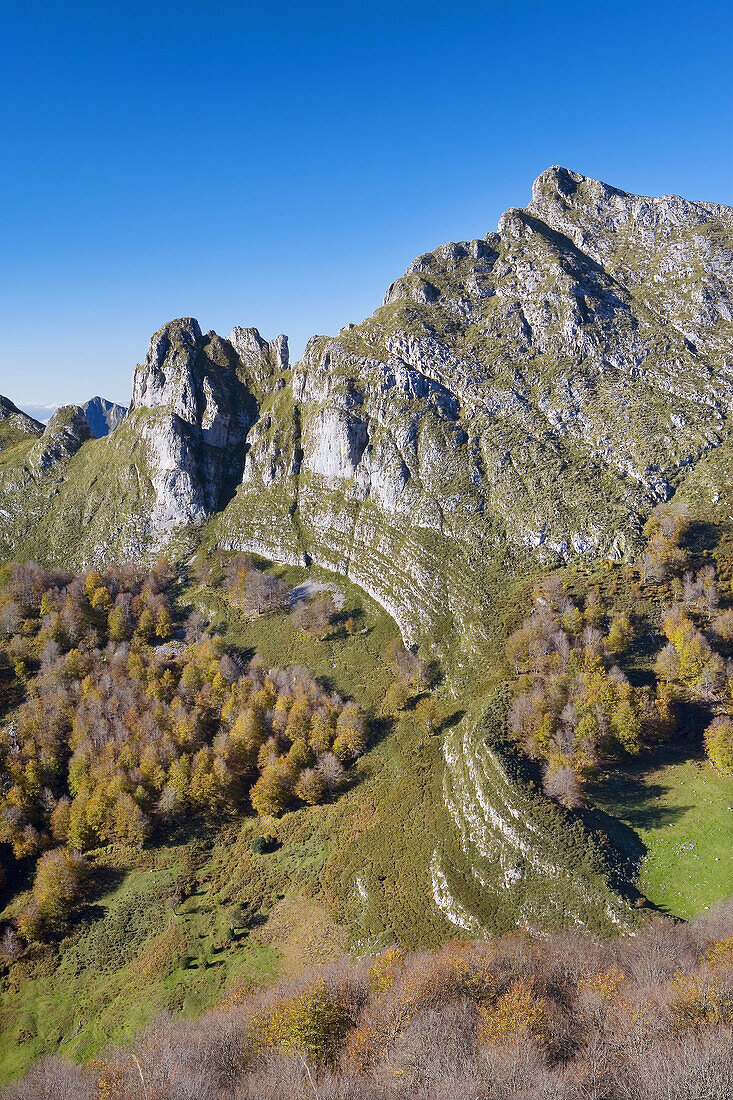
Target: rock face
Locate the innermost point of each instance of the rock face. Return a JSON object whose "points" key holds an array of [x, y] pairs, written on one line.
{"points": [[202, 409], [103, 416], [534, 392], [527, 395], [175, 459], [66, 431]]}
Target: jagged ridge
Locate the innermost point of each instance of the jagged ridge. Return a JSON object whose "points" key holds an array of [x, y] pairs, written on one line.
{"points": [[516, 399]]}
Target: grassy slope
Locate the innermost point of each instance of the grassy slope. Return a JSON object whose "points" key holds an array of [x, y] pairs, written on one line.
{"points": [[201, 913], [378, 837], [77, 1001], [682, 811], [676, 805], [352, 666]]}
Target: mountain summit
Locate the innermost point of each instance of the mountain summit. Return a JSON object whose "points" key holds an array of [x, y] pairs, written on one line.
{"points": [[103, 416], [527, 394]]}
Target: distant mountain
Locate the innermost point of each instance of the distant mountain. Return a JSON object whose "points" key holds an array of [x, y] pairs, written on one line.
{"points": [[103, 416]]}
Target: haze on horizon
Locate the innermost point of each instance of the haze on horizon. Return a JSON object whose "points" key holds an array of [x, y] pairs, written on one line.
{"points": [[279, 167]]}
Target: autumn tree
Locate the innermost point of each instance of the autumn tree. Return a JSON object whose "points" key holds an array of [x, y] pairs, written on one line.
{"points": [[312, 1023], [59, 879], [620, 633], [269, 795], [719, 744]]}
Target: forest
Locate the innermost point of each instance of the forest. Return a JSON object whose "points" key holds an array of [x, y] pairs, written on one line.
{"points": [[575, 708], [557, 1017], [126, 723]]}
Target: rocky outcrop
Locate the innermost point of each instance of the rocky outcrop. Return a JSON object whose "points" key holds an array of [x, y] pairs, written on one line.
{"points": [[263, 362], [533, 394], [103, 416], [194, 410], [16, 425], [530, 394], [66, 431]]}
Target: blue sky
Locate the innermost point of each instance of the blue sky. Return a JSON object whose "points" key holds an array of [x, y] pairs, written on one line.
{"points": [[278, 164]]}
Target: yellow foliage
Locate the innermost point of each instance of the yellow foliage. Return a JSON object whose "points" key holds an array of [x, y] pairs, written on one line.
{"points": [[268, 795], [128, 821], [385, 969], [238, 995], [116, 624], [310, 787], [517, 1012], [721, 952], [111, 1082], [321, 733], [719, 745], [606, 984], [163, 624], [60, 821], [101, 599], [93, 581], [310, 1023], [620, 634], [698, 1001], [466, 972], [677, 628], [58, 880]]}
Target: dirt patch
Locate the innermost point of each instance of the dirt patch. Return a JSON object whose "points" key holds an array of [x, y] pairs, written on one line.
{"points": [[304, 933], [309, 588]]}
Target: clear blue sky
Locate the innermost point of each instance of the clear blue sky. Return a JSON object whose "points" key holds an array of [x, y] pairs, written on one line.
{"points": [[277, 164]]}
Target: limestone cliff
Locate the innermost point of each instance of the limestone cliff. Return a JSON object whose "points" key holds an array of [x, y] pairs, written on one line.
{"points": [[529, 395], [175, 459], [536, 391], [517, 399]]}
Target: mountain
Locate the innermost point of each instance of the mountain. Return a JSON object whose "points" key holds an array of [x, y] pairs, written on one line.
{"points": [[517, 401], [530, 394], [103, 416], [15, 425]]}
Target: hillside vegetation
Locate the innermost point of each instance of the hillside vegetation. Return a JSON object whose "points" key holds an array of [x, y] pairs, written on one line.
{"points": [[552, 1018], [519, 404], [427, 635], [180, 885]]}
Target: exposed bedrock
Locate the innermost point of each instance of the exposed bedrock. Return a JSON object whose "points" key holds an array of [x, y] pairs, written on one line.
{"points": [[517, 400]]}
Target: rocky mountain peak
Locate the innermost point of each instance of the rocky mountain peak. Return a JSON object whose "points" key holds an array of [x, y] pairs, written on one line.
{"points": [[103, 416], [65, 433], [168, 375], [261, 360], [636, 237], [562, 185], [193, 407], [542, 387]]}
